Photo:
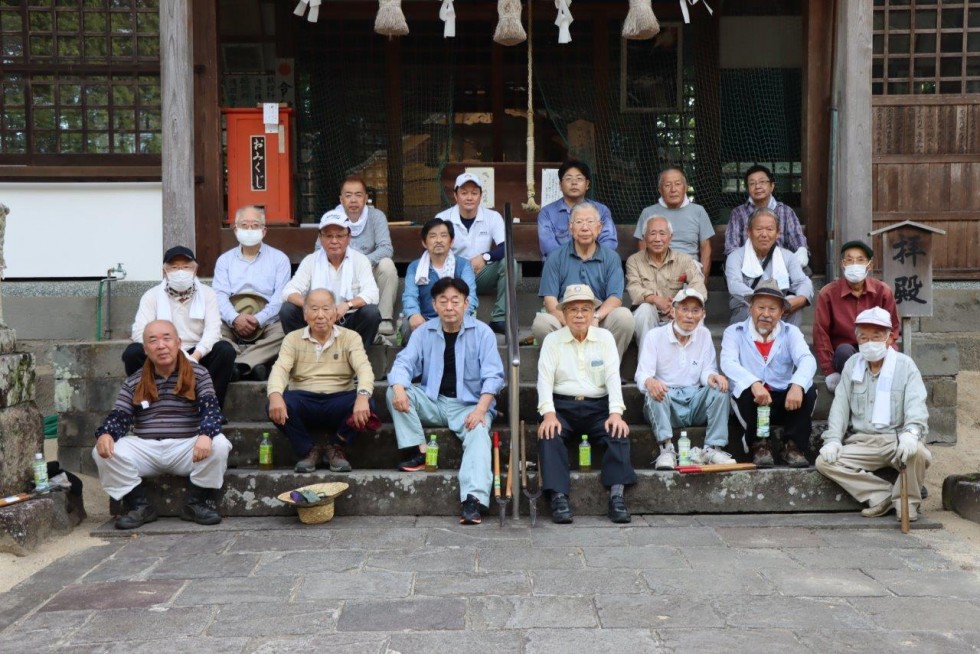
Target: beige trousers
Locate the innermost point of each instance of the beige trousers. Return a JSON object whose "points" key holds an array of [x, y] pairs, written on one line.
{"points": [[619, 322], [645, 317], [861, 455], [386, 277], [264, 350]]}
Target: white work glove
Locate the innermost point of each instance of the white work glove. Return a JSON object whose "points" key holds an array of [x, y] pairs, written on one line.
{"points": [[832, 380], [802, 256], [830, 452], [908, 443]]}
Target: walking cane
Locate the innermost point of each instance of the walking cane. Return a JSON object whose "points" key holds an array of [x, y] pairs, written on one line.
{"points": [[532, 498], [904, 485]]}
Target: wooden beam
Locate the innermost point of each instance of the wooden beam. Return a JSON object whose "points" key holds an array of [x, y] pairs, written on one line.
{"points": [[209, 171], [177, 97], [818, 25], [393, 93], [707, 76]]}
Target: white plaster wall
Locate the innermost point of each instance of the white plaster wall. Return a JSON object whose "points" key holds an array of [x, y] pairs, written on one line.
{"points": [[81, 229]]}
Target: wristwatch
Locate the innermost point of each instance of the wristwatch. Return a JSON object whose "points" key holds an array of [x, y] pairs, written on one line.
{"points": [[364, 393], [486, 257]]}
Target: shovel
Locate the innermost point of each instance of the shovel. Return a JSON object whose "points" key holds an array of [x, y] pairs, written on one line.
{"points": [[501, 502], [532, 498]]}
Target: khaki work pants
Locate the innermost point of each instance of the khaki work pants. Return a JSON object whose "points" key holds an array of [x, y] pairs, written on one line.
{"points": [[619, 322]]}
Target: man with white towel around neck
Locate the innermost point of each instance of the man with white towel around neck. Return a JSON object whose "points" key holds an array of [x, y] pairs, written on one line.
{"points": [[878, 420]]}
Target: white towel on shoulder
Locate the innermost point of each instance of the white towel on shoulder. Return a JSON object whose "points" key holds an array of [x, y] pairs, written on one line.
{"points": [[425, 264], [752, 267], [196, 311], [881, 415], [321, 279]]}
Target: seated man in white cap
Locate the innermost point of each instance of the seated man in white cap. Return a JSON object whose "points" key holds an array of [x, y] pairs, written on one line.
{"points": [[877, 420], [580, 393], [343, 271], [192, 307], [479, 238], [679, 377], [166, 420], [249, 281]]}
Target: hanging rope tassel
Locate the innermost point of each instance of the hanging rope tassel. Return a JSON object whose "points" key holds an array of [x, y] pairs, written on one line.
{"points": [[563, 21], [391, 19], [509, 28], [640, 23], [447, 14], [531, 204], [687, 16], [312, 5]]}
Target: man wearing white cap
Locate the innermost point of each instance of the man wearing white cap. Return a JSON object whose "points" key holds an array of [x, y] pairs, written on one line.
{"points": [[480, 239], [580, 393], [678, 374], [342, 270], [877, 420]]}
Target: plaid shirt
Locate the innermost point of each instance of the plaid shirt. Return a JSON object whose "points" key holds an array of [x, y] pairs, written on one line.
{"points": [[790, 231]]}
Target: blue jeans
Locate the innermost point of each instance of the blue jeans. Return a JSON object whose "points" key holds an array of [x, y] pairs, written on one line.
{"points": [[475, 474], [690, 406], [327, 411]]}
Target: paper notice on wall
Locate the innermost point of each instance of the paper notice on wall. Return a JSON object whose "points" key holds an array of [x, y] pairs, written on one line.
{"points": [[550, 186], [486, 177], [270, 116]]}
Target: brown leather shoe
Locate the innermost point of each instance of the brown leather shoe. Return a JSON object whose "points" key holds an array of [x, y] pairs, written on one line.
{"points": [[793, 457], [336, 458], [762, 455]]}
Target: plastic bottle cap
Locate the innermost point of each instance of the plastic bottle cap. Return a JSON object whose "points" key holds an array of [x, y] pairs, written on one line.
{"points": [[39, 457]]}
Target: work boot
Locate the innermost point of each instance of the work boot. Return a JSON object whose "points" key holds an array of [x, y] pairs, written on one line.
{"points": [[762, 455], [140, 511], [561, 513], [308, 462], [336, 459], [200, 506], [793, 457]]}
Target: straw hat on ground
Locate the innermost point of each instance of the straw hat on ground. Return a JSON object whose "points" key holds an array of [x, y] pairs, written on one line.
{"points": [[320, 511]]}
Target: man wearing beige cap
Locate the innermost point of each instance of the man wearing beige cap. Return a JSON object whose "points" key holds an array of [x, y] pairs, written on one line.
{"points": [[580, 393], [877, 420], [343, 271], [479, 238], [678, 374]]}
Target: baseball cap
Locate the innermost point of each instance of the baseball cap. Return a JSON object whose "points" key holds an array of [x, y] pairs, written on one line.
{"points": [[468, 177], [874, 316], [578, 293], [334, 218], [768, 288], [178, 251], [861, 245], [685, 293]]}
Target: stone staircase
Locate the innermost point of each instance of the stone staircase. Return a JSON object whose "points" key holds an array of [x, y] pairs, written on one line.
{"points": [[87, 376]]}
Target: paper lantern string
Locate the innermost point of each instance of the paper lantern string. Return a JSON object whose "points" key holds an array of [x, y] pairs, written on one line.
{"points": [[564, 20], [447, 14], [312, 5], [687, 16]]}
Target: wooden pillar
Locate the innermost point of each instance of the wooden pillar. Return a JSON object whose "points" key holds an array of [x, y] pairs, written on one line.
{"points": [[497, 100], [852, 96], [600, 48], [818, 25], [177, 96], [208, 168], [393, 83], [707, 76]]}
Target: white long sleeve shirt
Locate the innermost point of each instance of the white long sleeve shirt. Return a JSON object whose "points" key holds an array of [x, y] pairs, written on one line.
{"points": [[363, 285], [664, 358], [199, 335], [589, 368]]}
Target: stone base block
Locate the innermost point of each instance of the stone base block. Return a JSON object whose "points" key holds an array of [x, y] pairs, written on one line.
{"points": [[24, 526], [961, 493], [17, 379], [21, 437]]}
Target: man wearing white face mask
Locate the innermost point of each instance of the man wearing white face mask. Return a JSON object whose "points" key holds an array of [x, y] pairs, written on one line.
{"points": [[877, 421], [678, 374], [192, 307], [249, 281], [839, 302]]}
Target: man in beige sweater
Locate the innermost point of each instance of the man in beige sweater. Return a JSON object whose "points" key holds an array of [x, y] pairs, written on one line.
{"points": [[330, 384]]}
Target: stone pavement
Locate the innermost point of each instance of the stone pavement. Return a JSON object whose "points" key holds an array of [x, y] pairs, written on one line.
{"points": [[779, 583]]}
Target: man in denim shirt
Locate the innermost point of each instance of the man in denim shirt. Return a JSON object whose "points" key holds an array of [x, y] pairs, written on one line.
{"points": [[461, 373], [769, 364]]}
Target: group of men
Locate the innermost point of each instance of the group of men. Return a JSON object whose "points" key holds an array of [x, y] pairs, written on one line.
{"points": [[307, 335]]}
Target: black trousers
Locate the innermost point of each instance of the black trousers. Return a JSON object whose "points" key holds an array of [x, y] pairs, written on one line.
{"points": [[796, 424], [577, 417], [843, 352], [365, 321], [220, 362]]}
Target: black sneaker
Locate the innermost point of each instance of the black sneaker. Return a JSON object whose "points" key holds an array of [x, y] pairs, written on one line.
{"points": [[471, 511], [414, 463], [618, 512], [561, 513]]}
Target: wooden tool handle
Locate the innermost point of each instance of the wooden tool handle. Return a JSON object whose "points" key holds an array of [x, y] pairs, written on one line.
{"points": [[716, 467], [904, 483], [523, 461], [496, 465]]}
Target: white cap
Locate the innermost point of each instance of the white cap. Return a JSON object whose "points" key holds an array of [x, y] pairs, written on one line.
{"points": [[334, 218], [468, 177], [874, 316], [685, 293], [579, 293]]}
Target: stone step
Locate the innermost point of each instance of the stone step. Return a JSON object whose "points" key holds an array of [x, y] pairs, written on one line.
{"points": [[392, 493]]}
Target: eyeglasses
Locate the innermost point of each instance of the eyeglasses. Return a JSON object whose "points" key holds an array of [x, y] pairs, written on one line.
{"points": [[573, 178], [691, 311], [334, 237], [585, 223], [579, 311], [249, 226], [760, 184]]}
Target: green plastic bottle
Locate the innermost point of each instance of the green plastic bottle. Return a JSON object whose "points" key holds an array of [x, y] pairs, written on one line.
{"points": [[762, 422], [432, 454], [265, 452], [585, 454]]}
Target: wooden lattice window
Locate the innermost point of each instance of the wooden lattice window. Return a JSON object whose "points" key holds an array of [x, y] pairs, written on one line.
{"points": [[80, 82], [926, 47]]}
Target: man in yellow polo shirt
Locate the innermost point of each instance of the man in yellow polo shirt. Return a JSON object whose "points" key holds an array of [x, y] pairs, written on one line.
{"points": [[330, 384]]}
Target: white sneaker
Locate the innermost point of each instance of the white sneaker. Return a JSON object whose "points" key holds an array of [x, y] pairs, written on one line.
{"points": [[712, 456], [667, 460], [387, 328]]}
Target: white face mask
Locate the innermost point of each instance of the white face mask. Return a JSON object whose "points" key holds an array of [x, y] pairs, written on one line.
{"points": [[855, 273], [180, 280], [873, 351], [248, 237], [684, 332]]}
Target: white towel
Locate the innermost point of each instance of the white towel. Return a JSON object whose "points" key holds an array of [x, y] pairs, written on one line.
{"points": [[422, 272], [447, 14], [196, 311], [752, 267], [321, 276], [358, 227], [663, 204], [881, 415], [563, 21]]}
